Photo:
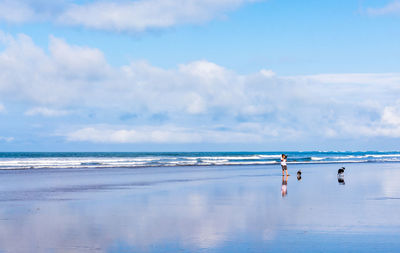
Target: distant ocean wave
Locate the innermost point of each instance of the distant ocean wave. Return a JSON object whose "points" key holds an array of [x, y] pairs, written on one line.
{"points": [[26, 160]]}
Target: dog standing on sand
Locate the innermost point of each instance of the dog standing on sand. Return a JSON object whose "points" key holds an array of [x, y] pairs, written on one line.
{"points": [[340, 171]]}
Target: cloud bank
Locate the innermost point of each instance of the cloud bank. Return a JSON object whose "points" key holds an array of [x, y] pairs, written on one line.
{"points": [[196, 102], [43, 111], [128, 15], [391, 8]]}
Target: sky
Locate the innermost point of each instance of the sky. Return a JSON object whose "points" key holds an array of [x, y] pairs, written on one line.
{"points": [[199, 75]]}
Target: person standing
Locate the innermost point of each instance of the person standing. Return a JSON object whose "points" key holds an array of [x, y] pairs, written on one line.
{"points": [[284, 165]]}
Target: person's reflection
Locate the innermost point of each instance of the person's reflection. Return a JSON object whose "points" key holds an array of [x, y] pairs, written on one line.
{"points": [[284, 186], [341, 180]]}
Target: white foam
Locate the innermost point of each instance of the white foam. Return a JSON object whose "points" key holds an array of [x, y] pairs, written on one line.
{"points": [[253, 157], [317, 158], [270, 156], [165, 160], [381, 156]]}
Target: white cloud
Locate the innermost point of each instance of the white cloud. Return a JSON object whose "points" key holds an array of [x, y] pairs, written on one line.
{"points": [[48, 112], [2, 108], [144, 14], [6, 139], [76, 61], [389, 124], [168, 134], [100, 135], [386, 125], [18, 11], [27, 72], [195, 102], [129, 15], [15, 11], [267, 72], [354, 78], [391, 115], [391, 8]]}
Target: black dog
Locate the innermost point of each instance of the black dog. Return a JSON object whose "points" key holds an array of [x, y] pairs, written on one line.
{"points": [[341, 171]]}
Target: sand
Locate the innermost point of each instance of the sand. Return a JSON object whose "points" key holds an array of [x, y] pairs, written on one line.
{"points": [[201, 209]]}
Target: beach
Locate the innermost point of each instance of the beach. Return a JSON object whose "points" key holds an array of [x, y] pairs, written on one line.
{"points": [[201, 209], [170, 126]]}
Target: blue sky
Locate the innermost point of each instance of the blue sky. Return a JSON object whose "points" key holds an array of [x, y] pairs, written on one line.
{"points": [[167, 75]]}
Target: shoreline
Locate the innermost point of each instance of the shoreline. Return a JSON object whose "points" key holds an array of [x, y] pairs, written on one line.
{"points": [[199, 165]]}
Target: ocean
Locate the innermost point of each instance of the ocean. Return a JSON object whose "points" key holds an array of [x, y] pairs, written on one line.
{"points": [[38, 160], [208, 209]]}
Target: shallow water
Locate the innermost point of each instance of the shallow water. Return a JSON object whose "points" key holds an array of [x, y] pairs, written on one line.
{"points": [[201, 209]]}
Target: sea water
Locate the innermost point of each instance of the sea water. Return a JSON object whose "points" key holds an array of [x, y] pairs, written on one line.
{"points": [[36, 160]]}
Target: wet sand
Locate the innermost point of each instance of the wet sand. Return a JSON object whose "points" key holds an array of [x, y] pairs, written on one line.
{"points": [[201, 209]]}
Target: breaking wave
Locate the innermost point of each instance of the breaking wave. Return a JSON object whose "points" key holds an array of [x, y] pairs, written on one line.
{"points": [[136, 160]]}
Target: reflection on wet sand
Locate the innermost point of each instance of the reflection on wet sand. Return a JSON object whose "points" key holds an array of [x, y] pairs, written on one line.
{"points": [[340, 180], [223, 211], [284, 186], [299, 175], [193, 221]]}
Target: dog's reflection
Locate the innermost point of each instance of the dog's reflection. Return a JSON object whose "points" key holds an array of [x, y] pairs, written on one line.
{"points": [[341, 180], [299, 175]]}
